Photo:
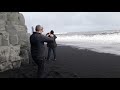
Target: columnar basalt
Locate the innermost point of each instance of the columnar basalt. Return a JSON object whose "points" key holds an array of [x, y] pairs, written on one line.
{"points": [[14, 43]]}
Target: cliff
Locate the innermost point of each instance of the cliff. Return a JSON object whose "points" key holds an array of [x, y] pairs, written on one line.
{"points": [[14, 42]]}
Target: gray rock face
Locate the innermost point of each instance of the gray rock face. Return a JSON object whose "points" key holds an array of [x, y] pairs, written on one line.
{"points": [[3, 16], [14, 43], [0, 40], [2, 25], [11, 30], [21, 19], [5, 38], [4, 54], [5, 66], [14, 39]]}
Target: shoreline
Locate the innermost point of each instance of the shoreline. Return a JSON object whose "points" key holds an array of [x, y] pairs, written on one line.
{"points": [[82, 48], [72, 63]]}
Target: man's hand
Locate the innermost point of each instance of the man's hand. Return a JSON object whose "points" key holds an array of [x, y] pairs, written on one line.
{"points": [[51, 35], [47, 35]]}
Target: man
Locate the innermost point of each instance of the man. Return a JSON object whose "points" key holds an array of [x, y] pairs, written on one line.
{"points": [[51, 45], [38, 49]]}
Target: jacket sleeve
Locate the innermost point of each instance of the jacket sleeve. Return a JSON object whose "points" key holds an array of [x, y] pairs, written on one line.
{"points": [[47, 39], [55, 36]]}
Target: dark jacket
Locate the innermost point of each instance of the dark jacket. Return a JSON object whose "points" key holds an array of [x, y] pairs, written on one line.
{"points": [[37, 44], [52, 44]]}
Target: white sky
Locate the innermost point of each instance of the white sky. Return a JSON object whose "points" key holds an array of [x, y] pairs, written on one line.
{"points": [[73, 21]]}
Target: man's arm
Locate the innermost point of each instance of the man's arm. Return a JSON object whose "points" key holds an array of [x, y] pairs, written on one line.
{"points": [[47, 39], [55, 36]]}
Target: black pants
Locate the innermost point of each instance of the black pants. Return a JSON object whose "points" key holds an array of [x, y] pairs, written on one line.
{"points": [[49, 52], [40, 63]]}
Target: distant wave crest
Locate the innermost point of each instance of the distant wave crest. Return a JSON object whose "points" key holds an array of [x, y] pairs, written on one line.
{"points": [[106, 43]]}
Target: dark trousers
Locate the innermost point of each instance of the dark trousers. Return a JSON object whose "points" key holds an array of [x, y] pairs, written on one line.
{"points": [[49, 52], [40, 63]]}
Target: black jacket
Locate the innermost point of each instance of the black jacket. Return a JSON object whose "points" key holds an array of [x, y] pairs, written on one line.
{"points": [[37, 44], [52, 44]]}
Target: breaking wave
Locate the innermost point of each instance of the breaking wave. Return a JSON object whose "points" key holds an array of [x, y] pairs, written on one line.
{"points": [[104, 43]]}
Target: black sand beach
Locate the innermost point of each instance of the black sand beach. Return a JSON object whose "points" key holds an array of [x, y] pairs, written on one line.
{"points": [[72, 63]]}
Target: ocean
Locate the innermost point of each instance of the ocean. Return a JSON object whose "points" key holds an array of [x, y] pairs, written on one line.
{"points": [[99, 41]]}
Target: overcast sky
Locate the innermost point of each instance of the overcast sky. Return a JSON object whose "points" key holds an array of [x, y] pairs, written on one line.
{"points": [[73, 21]]}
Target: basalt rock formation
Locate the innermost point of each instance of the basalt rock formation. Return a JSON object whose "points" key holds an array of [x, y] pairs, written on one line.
{"points": [[14, 42]]}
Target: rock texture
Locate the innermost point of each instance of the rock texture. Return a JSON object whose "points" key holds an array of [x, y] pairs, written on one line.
{"points": [[14, 42]]}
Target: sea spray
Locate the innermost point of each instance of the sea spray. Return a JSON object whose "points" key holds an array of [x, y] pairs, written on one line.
{"points": [[100, 42]]}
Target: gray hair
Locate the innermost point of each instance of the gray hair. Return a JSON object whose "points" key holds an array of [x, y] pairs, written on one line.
{"points": [[38, 27]]}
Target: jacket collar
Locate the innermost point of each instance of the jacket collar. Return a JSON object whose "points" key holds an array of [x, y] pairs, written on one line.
{"points": [[36, 33]]}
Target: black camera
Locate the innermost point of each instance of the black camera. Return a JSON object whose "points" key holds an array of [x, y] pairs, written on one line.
{"points": [[48, 34]]}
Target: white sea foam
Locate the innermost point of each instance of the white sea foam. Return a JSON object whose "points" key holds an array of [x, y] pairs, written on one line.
{"points": [[105, 43]]}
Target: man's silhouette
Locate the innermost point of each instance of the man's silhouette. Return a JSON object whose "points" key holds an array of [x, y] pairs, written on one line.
{"points": [[51, 45], [38, 49]]}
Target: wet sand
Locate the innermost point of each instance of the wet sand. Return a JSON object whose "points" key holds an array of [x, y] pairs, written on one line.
{"points": [[72, 63]]}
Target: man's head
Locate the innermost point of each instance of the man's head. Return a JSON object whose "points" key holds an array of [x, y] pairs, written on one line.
{"points": [[39, 29], [52, 32]]}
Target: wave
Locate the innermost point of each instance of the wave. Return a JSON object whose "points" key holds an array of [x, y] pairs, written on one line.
{"points": [[91, 32], [105, 43], [92, 38]]}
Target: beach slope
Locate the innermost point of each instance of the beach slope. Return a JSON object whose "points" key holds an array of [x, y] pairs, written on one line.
{"points": [[72, 63]]}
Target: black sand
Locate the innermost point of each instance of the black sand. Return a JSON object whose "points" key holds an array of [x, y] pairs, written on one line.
{"points": [[72, 63]]}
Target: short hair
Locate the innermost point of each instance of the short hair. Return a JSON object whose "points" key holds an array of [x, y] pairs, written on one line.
{"points": [[52, 32], [38, 27]]}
